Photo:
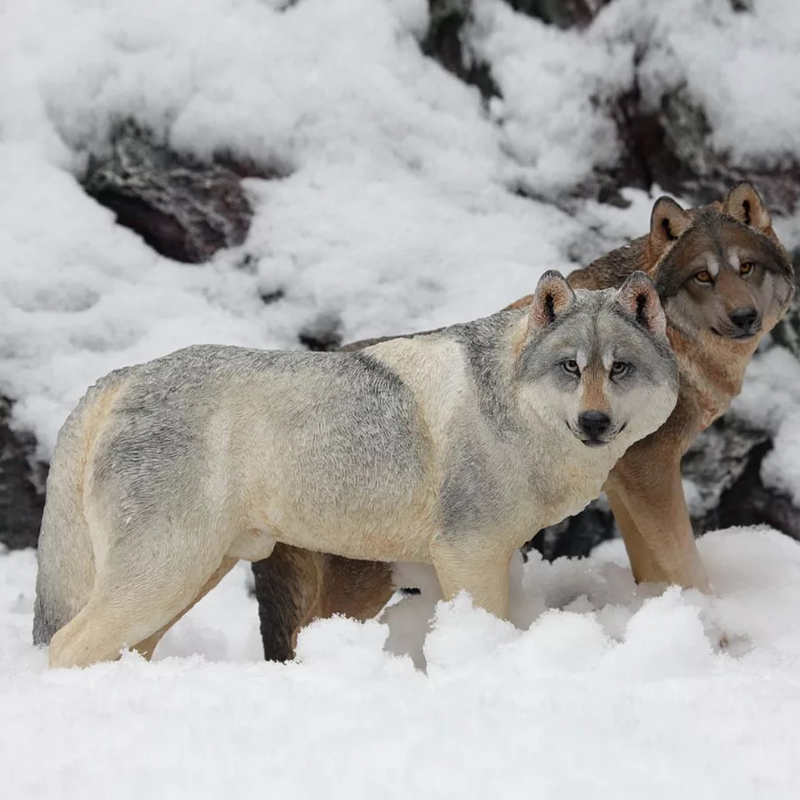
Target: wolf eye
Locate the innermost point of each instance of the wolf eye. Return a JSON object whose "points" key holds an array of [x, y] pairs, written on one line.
{"points": [[619, 368], [746, 268], [571, 366], [704, 276]]}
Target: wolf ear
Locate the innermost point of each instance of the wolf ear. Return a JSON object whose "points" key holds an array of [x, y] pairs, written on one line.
{"points": [[744, 204], [668, 222], [639, 299], [553, 296]]}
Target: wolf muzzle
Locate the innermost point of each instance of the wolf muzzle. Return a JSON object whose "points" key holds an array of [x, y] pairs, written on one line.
{"points": [[594, 424]]}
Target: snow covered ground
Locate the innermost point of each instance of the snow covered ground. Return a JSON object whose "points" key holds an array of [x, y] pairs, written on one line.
{"points": [[396, 215], [606, 691]]}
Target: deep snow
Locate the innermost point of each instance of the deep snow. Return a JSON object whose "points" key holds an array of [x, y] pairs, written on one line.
{"points": [[396, 215]]}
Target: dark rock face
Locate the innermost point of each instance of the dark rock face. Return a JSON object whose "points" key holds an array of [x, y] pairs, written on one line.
{"points": [[183, 208], [447, 43], [21, 485], [563, 13], [575, 537], [746, 501], [669, 145], [322, 334], [447, 39]]}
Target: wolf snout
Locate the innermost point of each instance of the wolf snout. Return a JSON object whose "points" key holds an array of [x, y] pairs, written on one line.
{"points": [[745, 321], [594, 424]]}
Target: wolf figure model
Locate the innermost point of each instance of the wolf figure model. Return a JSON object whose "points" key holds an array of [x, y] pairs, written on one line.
{"points": [[725, 281], [451, 448]]}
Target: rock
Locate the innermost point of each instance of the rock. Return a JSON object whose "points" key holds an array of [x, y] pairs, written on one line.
{"points": [[563, 13], [725, 462], [183, 208], [22, 481], [715, 462], [447, 43], [669, 145], [323, 333], [575, 537]]}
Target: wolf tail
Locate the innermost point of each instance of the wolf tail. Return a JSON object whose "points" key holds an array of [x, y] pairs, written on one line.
{"points": [[65, 553]]}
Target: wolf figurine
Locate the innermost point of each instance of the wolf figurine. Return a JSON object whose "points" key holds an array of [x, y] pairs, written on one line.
{"points": [[451, 448], [725, 281]]}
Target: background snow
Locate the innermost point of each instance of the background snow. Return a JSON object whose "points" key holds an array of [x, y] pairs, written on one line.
{"points": [[397, 214]]}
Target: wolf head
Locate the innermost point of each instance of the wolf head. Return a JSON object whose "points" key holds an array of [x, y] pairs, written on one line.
{"points": [[598, 363], [720, 269]]}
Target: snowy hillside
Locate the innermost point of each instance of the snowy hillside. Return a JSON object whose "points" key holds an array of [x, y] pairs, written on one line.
{"points": [[395, 195]]}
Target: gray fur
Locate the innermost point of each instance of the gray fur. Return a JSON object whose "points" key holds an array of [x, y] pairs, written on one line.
{"points": [[599, 320], [160, 426], [483, 342]]}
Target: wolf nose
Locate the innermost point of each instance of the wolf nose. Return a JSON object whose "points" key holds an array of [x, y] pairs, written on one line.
{"points": [[594, 423], [745, 319]]}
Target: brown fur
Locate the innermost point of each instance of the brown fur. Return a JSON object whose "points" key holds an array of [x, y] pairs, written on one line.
{"points": [[645, 488], [594, 397], [296, 586]]}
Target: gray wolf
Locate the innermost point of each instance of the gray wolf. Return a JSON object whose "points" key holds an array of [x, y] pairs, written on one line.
{"points": [[450, 448]]}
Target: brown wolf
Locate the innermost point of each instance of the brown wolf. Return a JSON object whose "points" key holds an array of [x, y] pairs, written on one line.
{"points": [[725, 281]]}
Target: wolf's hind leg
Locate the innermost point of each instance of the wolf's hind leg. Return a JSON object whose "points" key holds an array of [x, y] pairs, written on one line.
{"points": [[288, 586], [148, 646], [355, 589], [296, 586], [135, 595], [482, 571]]}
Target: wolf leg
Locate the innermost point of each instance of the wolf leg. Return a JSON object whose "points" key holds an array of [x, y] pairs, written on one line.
{"points": [[650, 509], [288, 586], [135, 594], [481, 571], [642, 562], [147, 646], [296, 586], [357, 589]]}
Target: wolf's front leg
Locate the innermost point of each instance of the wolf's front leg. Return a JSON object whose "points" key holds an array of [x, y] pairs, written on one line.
{"points": [[463, 561], [649, 506]]}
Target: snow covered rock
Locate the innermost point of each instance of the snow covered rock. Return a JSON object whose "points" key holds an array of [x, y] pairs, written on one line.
{"points": [[564, 13], [183, 208], [447, 41], [21, 485]]}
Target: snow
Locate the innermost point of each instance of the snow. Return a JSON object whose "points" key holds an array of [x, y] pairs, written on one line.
{"points": [[560, 131], [396, 213], [604, 690]]}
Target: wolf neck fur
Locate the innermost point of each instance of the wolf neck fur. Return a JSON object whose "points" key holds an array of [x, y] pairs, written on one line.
{"points": [[711, 366]]}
